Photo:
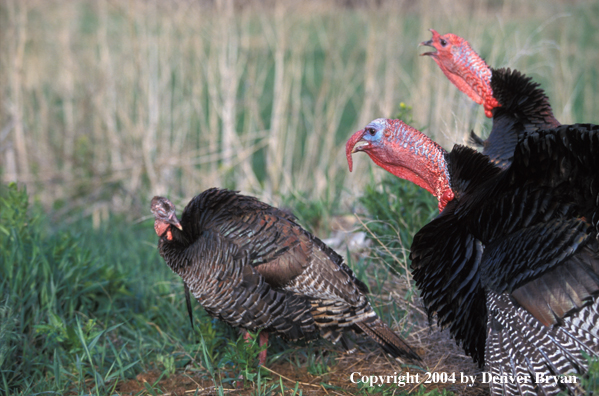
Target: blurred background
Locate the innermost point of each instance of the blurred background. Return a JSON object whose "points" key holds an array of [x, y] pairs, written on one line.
{"points": [[107, 103]]}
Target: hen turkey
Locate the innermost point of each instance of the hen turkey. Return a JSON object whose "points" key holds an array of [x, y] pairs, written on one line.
{"points": [[252, 266]]}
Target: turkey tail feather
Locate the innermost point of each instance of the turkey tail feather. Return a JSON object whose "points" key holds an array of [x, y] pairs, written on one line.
{"points": [[387, 339], [520, 346]]}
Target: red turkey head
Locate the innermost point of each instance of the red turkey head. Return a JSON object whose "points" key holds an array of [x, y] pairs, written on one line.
{"points": [[463, 67], [405, 152], [164, 217]]}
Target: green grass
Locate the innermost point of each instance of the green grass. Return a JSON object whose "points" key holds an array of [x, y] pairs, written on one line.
{"points": [[86, 305], [84, 310], [590, 382]]}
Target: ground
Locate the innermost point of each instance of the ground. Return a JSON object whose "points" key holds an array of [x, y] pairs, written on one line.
{"points": [[439, 352]]}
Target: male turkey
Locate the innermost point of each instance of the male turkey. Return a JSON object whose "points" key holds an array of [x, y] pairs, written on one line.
{"points": [[252, 266], [511, 264], [515, 102]]}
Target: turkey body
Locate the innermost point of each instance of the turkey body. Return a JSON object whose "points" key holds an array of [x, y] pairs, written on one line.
{"points": [[252, 266], [511, 264]]}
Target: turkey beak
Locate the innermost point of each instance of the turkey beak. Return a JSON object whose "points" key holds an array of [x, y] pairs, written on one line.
{"points": [[429, 43], [350, 147], [174, 221]]}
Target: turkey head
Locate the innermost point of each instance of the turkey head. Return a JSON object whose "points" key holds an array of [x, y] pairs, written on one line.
{"points": [[405, 152], [164, 217]]}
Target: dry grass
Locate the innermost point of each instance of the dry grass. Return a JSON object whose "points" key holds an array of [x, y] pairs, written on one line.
{"points": [[105, 103]]}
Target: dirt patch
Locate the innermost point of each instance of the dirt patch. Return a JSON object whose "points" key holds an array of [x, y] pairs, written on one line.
{"points": [[176, 384]]}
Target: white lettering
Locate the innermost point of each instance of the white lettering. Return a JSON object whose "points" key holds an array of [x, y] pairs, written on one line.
{"points": [[351, 377], [487, 377], [539, 378], [373, 379]]}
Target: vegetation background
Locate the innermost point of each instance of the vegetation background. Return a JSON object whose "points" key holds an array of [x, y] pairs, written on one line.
{"points": [[104, 104]]}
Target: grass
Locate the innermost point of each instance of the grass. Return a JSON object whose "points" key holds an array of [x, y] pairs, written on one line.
{"points": [[86, 307], [65, 306], [96, 311]]}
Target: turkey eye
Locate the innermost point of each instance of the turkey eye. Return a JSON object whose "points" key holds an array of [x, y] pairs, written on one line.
{"points": [[371, 131], [443, 42]]}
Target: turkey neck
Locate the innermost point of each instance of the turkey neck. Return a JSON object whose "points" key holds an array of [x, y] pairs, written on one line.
{"points": [[170, 250], [418, 159], [466, 70], [476, 74]]}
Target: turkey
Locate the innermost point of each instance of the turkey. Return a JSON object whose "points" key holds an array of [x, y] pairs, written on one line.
{"points": [[516, 103], [511, 264], [252, 266]]}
